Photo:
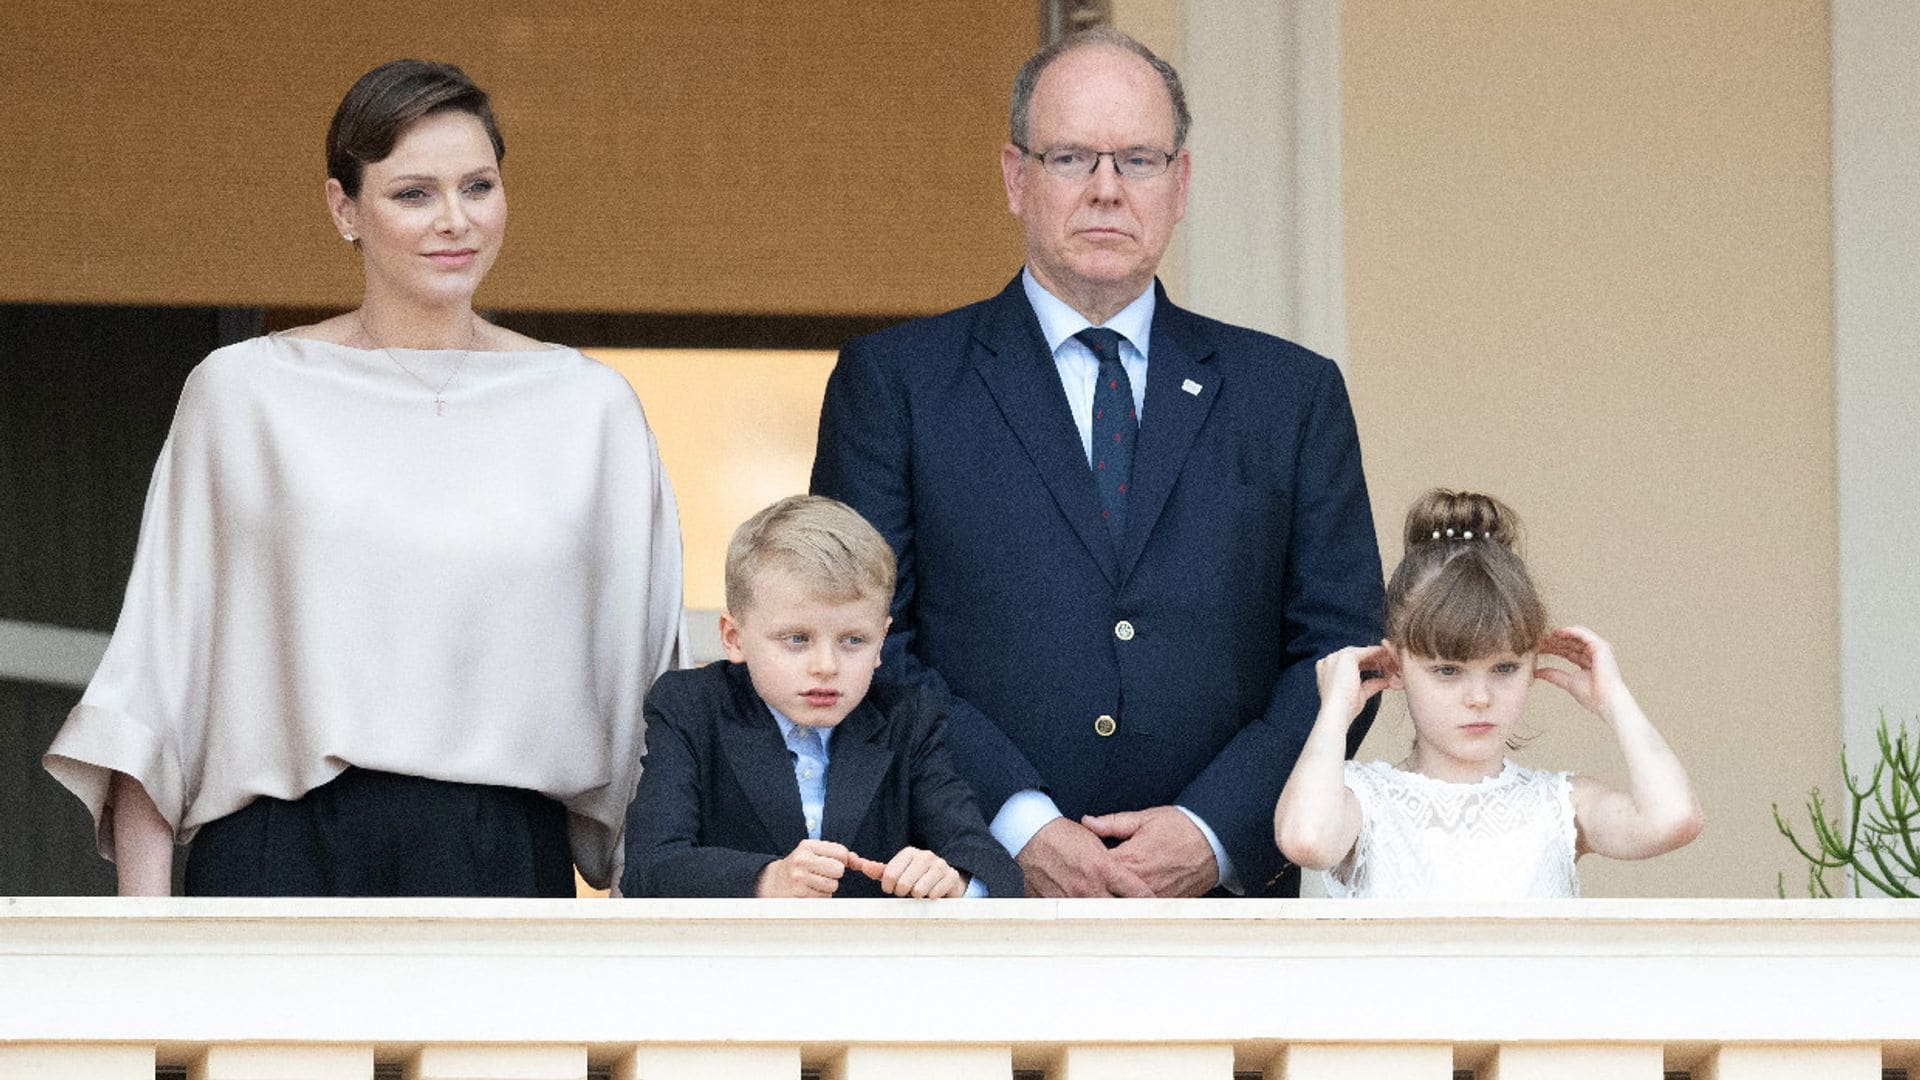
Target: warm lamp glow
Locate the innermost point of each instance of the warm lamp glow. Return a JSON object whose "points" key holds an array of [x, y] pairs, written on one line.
{"points": [[736, 431]]}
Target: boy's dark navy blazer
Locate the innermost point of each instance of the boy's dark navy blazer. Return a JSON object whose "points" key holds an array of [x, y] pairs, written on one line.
{"points": [[718, 800]]}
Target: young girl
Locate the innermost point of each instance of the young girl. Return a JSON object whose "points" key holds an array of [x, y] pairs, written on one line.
{"points": [[1455, 818]]}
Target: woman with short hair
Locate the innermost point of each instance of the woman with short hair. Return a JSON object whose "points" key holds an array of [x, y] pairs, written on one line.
{"points": [[403, 578]]}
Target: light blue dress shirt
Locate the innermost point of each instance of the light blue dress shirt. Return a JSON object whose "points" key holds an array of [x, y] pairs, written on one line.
{"points": [[1026, 811], [809, 767], [810, 759], [1078, 367]]}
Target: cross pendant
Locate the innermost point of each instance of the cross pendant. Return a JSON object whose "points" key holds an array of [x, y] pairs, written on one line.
{"points": [[439, 405]]}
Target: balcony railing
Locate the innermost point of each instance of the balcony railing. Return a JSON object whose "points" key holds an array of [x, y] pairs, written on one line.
{"points": [[956, 990]]}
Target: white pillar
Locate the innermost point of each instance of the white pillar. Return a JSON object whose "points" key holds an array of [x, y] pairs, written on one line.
{"points": [[1361, 1061], [44, 1061], [1151, 1062], [1160, 25], [1876, 185], [281, 1061], [923, 1063], [710, 1061], [470, 1062], [1264, 236], [1848, 1061], [1550, 1061]]}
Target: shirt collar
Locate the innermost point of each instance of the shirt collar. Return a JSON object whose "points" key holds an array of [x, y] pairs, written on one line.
{"points": [[1058, 322], [787, 726]]}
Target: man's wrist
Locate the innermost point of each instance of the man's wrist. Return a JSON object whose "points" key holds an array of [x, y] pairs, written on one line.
{"points": [[1025, 813], [1227, 879]]}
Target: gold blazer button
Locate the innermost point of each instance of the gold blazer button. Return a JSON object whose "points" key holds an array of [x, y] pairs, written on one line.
{"points": [[1104, 726]]}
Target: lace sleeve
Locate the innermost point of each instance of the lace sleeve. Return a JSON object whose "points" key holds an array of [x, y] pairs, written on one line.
{"points": [[1569, 828]]}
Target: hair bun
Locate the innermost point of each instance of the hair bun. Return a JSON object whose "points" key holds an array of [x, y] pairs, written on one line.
{"points": [[1459, 516]]}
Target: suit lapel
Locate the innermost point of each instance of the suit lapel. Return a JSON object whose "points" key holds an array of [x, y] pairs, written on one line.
{"points": [[762, 764], [1182, 383], [857, 760], [1013, 360]]}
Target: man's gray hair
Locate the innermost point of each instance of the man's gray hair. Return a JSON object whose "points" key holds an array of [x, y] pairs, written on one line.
{"points": [[1030, 73]]}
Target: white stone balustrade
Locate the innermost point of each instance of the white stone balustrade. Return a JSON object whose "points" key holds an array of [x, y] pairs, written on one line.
{"points": [[105, 989]]}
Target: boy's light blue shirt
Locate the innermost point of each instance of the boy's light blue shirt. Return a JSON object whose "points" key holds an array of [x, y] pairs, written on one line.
{"points": [[810, 772], [1025, 812]]}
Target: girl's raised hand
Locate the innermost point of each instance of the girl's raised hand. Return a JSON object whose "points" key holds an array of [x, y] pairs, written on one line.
{"points": [[1352, 675], [1595, 680]]}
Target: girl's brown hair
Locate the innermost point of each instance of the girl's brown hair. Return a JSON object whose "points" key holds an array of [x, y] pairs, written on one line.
{"points": [[1461, 591]]}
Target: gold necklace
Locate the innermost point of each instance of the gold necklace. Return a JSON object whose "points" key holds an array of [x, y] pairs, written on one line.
{"points": [[440, 394]]}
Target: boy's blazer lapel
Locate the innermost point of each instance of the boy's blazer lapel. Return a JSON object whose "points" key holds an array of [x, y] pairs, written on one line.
{"points": [[858, 758], [763, 766], [1013, 361], [1182, 384]]}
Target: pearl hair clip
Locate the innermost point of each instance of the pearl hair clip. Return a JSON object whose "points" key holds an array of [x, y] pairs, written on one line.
{"points": [[1466, 535]]}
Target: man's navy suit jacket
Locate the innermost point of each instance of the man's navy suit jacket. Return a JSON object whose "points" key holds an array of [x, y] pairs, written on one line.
{"points": [[717, 800], [1249, 553]]}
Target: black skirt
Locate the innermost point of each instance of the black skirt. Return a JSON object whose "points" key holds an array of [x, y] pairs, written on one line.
{"points": [[368, 833]]}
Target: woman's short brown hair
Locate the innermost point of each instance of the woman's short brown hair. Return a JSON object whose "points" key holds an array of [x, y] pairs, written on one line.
{"points": [[388, 100], [1461, 591]]}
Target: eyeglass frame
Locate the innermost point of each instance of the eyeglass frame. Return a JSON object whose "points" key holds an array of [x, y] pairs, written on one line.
{"points": [[1042, 156]]}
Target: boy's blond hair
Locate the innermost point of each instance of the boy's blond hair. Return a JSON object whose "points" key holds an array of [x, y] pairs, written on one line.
{"points": [[821, 541]]}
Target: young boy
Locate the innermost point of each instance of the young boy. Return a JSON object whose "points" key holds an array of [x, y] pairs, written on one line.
{"points": [[784, 767]]}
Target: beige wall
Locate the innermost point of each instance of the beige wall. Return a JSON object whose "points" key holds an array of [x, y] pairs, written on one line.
{"points": [[1589, 268]]}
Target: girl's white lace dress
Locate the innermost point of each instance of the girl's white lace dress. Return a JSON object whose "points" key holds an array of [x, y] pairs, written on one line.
{"points": [[1507, 837]]}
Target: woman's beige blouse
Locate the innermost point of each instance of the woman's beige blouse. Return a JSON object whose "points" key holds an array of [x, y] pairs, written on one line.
{"points": [[331, 573]]}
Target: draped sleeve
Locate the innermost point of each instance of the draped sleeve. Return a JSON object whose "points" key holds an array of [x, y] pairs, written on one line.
{"points": [[650, 637], [144, 713]]}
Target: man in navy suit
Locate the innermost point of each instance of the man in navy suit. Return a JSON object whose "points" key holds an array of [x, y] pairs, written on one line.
{"points": [[1125, 532]]}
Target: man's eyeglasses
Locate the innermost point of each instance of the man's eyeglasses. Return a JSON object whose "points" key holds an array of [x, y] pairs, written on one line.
{"points": [[1079, 162]]}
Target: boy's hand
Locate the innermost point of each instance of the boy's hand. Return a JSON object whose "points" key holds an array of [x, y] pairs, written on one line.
{"points": [[1595, 681], [869, 867], [1349, 677], [915, 872], [811, 871]]}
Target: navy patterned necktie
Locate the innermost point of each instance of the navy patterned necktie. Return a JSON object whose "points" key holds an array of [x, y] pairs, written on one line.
{"points": [[1114, 428]]}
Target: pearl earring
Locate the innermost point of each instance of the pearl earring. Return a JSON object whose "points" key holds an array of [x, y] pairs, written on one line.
{"points": [[348, 237]]}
